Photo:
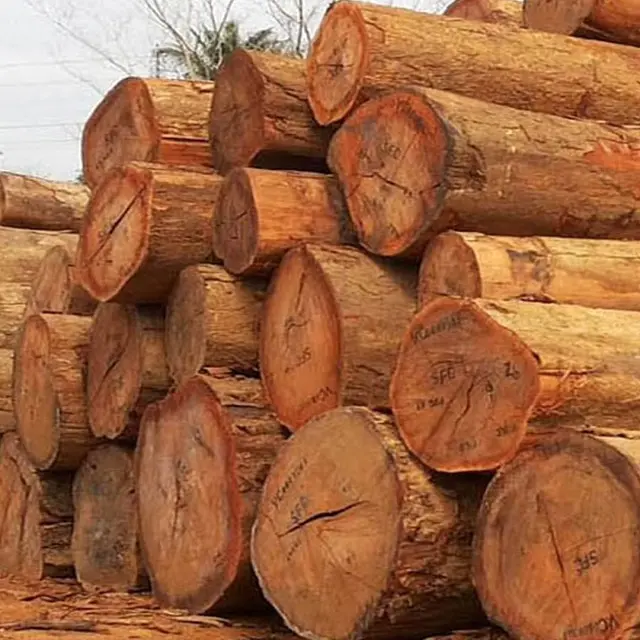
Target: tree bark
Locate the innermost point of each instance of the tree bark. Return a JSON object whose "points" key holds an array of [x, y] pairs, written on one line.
{"points": [[36, 521], [150, 120], [7, 419], [36, 203], [262, 214], [417, 162], [260, 115], [332, 323], [126, 368], [49, 390], [105, 542], [213, 320], [202, 456], [505, 12], [466, 381], [555, 550], [144, 224], [591, 273], [378, 531]]}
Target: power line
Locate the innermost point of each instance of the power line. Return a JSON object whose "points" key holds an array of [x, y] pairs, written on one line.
{"points": [[39, 141], [40, 126], [50, 83], [53, 63]]}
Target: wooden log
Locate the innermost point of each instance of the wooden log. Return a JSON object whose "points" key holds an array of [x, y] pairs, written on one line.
{"points": [[260, 116], [202, 456], [332, 323], [126, 367], [7, 419], [465, 383], [378, 532], [49, 390], [417, 162], [212, 320], [144, 224], [555, 550], [36, 203], [105, 542], [262, 214], [36, 522], [590, 273], [506, 12], [149, 120], [362, 50]]}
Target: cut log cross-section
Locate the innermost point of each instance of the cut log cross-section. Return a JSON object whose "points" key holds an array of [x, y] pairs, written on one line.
{"points": [[49, 390], [260, 115], [104, 543], [201, 459], [556, 545], [507, 12], [332, 324], [417, 162], [351, 531], [36, 521], [144, 224], [213, 320], [7, 417], [148, 120], [262, 214], [126, 367]]}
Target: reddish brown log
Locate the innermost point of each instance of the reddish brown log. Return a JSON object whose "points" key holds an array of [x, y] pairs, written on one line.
{"points": [[7, 418], [506, 12]]}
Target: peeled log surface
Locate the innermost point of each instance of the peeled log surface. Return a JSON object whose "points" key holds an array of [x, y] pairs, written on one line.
{"points": [[105, 530], [202, 456], [345, 492], [150, 120], [7, 419], [49, 390], [126, 367], [212, 320], [262, 214], [590, 273], [144, 224], [36, 521], [556, 544], [260, 116], [433, 160], [506, 12], [332, 323]]}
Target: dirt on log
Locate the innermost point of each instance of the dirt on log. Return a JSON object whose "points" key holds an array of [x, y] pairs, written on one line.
{"points": [[506, 12]]}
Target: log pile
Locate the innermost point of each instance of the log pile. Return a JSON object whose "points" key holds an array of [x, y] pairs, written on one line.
{"points": [[352, 340]]}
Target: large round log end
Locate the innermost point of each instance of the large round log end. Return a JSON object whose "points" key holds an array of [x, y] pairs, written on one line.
{"points": [[556, 16]]}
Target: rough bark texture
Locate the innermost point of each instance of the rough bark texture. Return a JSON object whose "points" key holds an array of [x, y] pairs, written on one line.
{"points": [[506, 12], [417, 162], [49, 390], [332, 324], [201, 459], [556, 546], [144, 224], [35, 203], [262, 214], [354, 538], [260, 115], [213, 320], [150, 120], [126, 367], [590, 273], [7, 419], [104, 543], [36, 521]]}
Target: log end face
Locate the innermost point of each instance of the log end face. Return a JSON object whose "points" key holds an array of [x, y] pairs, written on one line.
{"points": [[3, 196], [556, 16], [463, 388], [52, 287], [469, 10]]}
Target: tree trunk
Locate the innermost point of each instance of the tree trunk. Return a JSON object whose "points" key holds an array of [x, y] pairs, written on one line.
{"points": [[476, 166], [592, 273], [37, 514], [332, 323], [260, 115], [506, 12], [262, 214], [202, 456], [213, 320], [362, 50], [104, 544], [361, 543], [466, 384], [49, 390], [7, 419], [150, 120], [35, 203], [13, 307], [126, 367], [144, 224], [556, 546]]}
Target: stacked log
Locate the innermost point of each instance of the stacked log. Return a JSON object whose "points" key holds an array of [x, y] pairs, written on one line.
{"points": [[507, 12]]}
